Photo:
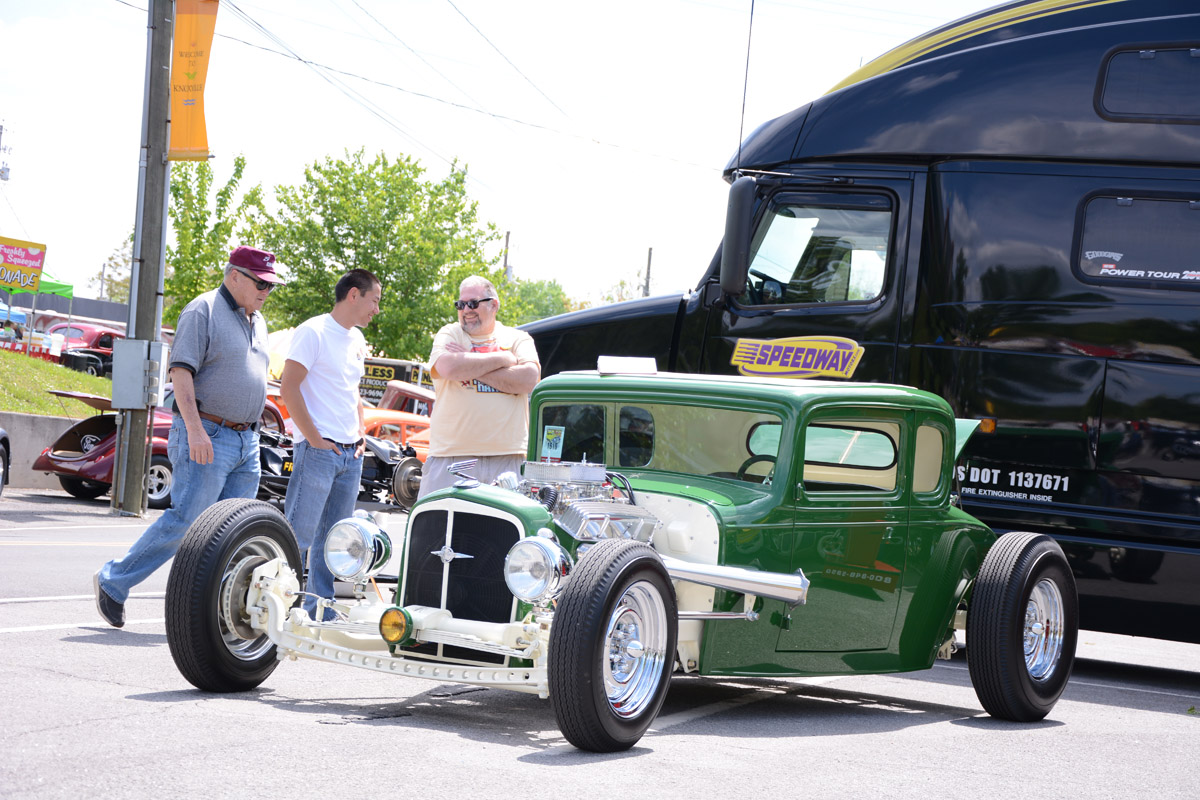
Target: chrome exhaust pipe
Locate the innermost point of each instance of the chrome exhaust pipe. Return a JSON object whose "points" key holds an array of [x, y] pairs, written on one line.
{"points": [[791, 588]]}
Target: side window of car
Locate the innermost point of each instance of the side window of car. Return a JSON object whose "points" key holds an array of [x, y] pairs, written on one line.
{"points": [[764, 439], [851, 457], [636, 441], [389, 432], [820, 248], [105, 340], [572, 433], [927, 460]]}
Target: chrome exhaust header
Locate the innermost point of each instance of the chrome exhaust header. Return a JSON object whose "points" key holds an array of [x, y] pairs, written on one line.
{"points": [[791, 588]]}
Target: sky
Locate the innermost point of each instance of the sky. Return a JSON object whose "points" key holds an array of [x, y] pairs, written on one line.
{"points": [[594, 134]]}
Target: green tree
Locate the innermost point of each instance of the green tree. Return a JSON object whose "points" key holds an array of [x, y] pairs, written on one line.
{"points": [[418, 237], [112, 281], [622, 291], [204, 227], [526, 301]]}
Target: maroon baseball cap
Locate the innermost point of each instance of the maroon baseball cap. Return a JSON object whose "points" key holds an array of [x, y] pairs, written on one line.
{"points": [[259, 262]]}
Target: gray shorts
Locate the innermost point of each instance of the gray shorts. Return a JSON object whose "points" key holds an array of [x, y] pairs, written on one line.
{"points": [[435, 476]]}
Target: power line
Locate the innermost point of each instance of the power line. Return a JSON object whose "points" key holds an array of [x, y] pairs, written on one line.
{"points": [[321, 69], [506, 58], [20, 224], [352, 95], [415, 53], [463, 107]]}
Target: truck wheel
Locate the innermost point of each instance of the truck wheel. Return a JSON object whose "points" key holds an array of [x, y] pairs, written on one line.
{"points": [[1022, 626], [612, 646], [208, 628], [83, 489], [158, 483]]}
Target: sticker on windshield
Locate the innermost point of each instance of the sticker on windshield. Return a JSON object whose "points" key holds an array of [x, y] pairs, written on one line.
{"points": [[552, 443], [797, 357]]}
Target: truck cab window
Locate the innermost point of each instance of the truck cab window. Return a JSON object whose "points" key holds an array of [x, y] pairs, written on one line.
{"points": [[819, 249], [1141, 241]]}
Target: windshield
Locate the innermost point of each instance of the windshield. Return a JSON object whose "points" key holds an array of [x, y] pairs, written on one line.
{"points": [[694, 440]]}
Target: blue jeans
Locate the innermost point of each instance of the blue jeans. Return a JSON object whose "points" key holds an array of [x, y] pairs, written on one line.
{"points": [[232, 473], [322, 490]]}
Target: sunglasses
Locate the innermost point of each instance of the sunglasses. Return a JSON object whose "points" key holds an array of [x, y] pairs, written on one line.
{"points": [[471, 304], [259, 285]]}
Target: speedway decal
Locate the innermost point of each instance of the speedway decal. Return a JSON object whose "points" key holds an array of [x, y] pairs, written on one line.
{"points": [[797, 357]]}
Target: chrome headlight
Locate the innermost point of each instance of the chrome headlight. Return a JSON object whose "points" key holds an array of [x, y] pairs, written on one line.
{"points": [[356, 549], [535, 568]]}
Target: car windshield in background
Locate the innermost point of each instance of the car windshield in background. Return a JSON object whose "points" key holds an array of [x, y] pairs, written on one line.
{"points": [[694, 440]]}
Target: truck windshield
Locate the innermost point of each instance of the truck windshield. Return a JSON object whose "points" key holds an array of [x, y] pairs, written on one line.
{"points": [[820, 249]]}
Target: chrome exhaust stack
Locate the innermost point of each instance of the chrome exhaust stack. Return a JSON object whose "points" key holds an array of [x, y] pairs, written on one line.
{"points": [[788, 587]]}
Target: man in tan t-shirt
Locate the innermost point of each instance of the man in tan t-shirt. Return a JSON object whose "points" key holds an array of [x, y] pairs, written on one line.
{"points": [[483, 373]]}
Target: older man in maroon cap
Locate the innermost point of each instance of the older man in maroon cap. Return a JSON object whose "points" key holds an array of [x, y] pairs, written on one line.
{"points": [[219, 368]]}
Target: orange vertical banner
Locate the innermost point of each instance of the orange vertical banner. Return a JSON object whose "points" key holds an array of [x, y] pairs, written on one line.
{"points": [[195, 23]]}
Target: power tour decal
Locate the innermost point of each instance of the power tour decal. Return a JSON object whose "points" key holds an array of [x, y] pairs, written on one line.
{"points": [[797, 357]]}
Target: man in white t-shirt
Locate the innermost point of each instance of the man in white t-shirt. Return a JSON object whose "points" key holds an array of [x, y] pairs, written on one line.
{"points": [[483, 372], [320, 380]]}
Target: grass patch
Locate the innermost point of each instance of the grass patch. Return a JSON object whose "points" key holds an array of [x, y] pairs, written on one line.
{"points": [[24, 381]]}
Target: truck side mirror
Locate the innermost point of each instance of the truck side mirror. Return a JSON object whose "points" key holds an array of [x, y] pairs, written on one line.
{"points": [[735, 250]]}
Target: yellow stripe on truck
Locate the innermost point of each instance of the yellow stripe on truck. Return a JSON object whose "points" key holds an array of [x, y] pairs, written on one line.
{"points": [[929, 42]]}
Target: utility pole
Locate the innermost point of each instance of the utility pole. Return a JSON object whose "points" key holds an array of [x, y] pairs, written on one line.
{"points": [[3, 150], [507, 274], [646, 288], [149, 250]]}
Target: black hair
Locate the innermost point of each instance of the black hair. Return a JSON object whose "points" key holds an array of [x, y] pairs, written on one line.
{"points": [[360, 279]]}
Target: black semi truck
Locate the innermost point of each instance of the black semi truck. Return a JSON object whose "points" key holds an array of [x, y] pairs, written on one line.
{"points": [[1004, 211]]}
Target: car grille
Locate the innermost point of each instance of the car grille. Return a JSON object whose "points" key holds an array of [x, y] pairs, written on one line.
{"points": [[472, 588]]}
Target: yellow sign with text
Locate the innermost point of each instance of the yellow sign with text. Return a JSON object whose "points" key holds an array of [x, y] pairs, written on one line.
{"points": [[21, 265], [797, 357], [195, 23]]}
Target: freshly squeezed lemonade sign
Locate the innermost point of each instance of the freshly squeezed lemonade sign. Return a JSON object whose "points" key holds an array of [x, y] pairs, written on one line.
{"points": [[21, 264], [797, 357]]}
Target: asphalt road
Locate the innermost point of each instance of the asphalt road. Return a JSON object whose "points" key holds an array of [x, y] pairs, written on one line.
{"points": [[91, 711]]}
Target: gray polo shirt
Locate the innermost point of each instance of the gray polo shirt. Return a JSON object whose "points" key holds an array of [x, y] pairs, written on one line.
{"points": [[226, 353]]}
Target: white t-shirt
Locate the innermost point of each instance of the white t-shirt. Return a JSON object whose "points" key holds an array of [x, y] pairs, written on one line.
{"points": [[334, 357]]}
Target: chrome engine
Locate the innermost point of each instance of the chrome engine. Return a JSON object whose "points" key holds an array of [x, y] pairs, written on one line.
{"points": [[580, 498]]}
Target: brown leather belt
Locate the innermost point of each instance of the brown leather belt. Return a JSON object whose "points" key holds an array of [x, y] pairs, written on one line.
{"points": [[237, 426]]}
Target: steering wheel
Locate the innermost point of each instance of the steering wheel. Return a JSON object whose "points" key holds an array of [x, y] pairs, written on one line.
{"points": [[756, 296], [752, 460]]}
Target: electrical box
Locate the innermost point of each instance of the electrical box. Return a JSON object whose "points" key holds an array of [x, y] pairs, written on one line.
{"points": [[139, 371]]}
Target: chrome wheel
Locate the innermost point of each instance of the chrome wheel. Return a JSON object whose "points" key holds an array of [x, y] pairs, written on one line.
{"points": [[213, 640], [241, 640], [635, 644], [1022, 626], [1044, 625], [158, 483], [612, 646]]}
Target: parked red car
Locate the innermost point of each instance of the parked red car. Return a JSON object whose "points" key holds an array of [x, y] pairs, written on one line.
{"points": [[87, 348], [82, 458]]}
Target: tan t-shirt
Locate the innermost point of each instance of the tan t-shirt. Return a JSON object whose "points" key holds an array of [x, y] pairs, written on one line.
{"points": [[471, 418]]}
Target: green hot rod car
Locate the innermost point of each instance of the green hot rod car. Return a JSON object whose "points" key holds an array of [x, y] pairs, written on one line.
{"points": [[712, 525]]}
